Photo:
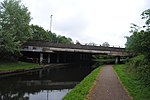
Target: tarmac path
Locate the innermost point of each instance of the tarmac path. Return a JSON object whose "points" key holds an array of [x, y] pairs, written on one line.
{"points": [[108, 86]]}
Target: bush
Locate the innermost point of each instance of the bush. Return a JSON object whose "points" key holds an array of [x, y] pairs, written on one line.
{"points": [[140, 67]]}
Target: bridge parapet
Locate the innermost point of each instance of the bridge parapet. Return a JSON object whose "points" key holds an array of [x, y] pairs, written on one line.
{"points": [[44, 46]]}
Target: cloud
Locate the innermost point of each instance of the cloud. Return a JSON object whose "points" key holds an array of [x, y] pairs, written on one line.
{"points": [[72, 25], [89, 20]]}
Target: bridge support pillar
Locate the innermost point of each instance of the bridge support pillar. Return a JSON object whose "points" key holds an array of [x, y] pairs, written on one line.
{"points": [[49, 58], [40, 74], [117, 60], [41, 58], [57, 58], [65, 58], [81, 57]]}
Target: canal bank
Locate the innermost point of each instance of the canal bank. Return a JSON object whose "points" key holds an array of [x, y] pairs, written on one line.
{"points": [[82, 89], [6, 72]]}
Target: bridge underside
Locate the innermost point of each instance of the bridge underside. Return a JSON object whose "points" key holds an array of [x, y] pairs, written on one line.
{"points": [[59, 57], [55, 57]]}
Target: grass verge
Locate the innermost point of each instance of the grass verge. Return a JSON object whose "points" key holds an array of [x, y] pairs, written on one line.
{"points": [[11, 66], [82, 89], [137, 90]]}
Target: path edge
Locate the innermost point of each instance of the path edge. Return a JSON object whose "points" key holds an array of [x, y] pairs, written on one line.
{"points": [[122, 84], [93, 85]]}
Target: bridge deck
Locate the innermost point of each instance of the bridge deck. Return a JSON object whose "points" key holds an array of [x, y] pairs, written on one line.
{"points": [[71, 46]]}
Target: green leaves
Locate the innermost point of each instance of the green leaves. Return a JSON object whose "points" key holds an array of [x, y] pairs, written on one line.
{"points": [[15, 29], [139, 41], [105, 44], [134, 86], [139, 44], [146, 15], [14, 26], [38, 33], [65, 40]]}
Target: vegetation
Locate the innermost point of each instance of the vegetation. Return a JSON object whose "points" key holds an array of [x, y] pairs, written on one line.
{"points": [[16, 66], [105, 44], [65, 40], [139, 41], [139, 44], [14, 27], [134, 86], [81, 90], [38, 33]]}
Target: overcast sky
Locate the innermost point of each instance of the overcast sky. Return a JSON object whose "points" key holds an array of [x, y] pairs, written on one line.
{"points": [[88, 21]]}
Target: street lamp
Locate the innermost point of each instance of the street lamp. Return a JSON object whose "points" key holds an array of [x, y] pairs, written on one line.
{"points": [[51, 22]]}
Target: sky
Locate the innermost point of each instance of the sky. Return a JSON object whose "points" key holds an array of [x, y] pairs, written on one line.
{"points": [[88, 21]]}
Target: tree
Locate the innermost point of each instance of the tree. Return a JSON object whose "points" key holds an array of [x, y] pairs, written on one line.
{"points": [[139, 44], [146, 15], [14, 27], [77, 42], [139, 41], [105, 44], [91, 44], [65, 40], [38, 33]]}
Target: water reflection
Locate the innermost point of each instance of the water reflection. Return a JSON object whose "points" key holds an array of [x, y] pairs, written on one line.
{"points": [[51, 84], [49, 95]]}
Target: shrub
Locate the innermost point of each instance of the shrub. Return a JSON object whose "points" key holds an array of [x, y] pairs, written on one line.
{"points": [[140, 67]]}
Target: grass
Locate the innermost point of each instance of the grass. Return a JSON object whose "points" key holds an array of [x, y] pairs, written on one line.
{"points": [[137, 90], [82, 89], [11, 66]]}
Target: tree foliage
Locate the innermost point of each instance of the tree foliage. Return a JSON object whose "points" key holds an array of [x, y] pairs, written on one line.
{"points": [[139, 41], [146, 15], [105, 44], [14, 26], [139, 44], [65, 40], [38, 33], [15, 29]]}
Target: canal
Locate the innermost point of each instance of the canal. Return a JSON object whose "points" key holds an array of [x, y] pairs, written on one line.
{"points": [[53, 84]]}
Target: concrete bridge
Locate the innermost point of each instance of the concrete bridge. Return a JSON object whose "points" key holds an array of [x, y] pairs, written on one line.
{"points": [[43, 51]]}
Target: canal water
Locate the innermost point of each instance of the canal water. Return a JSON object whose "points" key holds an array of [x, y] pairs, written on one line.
{"points": [[52, 84]]}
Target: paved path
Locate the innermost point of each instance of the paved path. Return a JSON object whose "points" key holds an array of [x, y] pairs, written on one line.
{"points": [[108, 87]]}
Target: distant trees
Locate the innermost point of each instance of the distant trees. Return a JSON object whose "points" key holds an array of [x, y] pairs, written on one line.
{"points": [[38, 33], [105, 44], [91, 44], [14, 27], [65, 40], [78, 43]]}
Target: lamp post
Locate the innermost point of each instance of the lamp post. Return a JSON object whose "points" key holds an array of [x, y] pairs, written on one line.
{"points": [[51, 22]]}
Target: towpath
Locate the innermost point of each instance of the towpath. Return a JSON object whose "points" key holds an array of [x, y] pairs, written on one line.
{"points": [[108, 87]]}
